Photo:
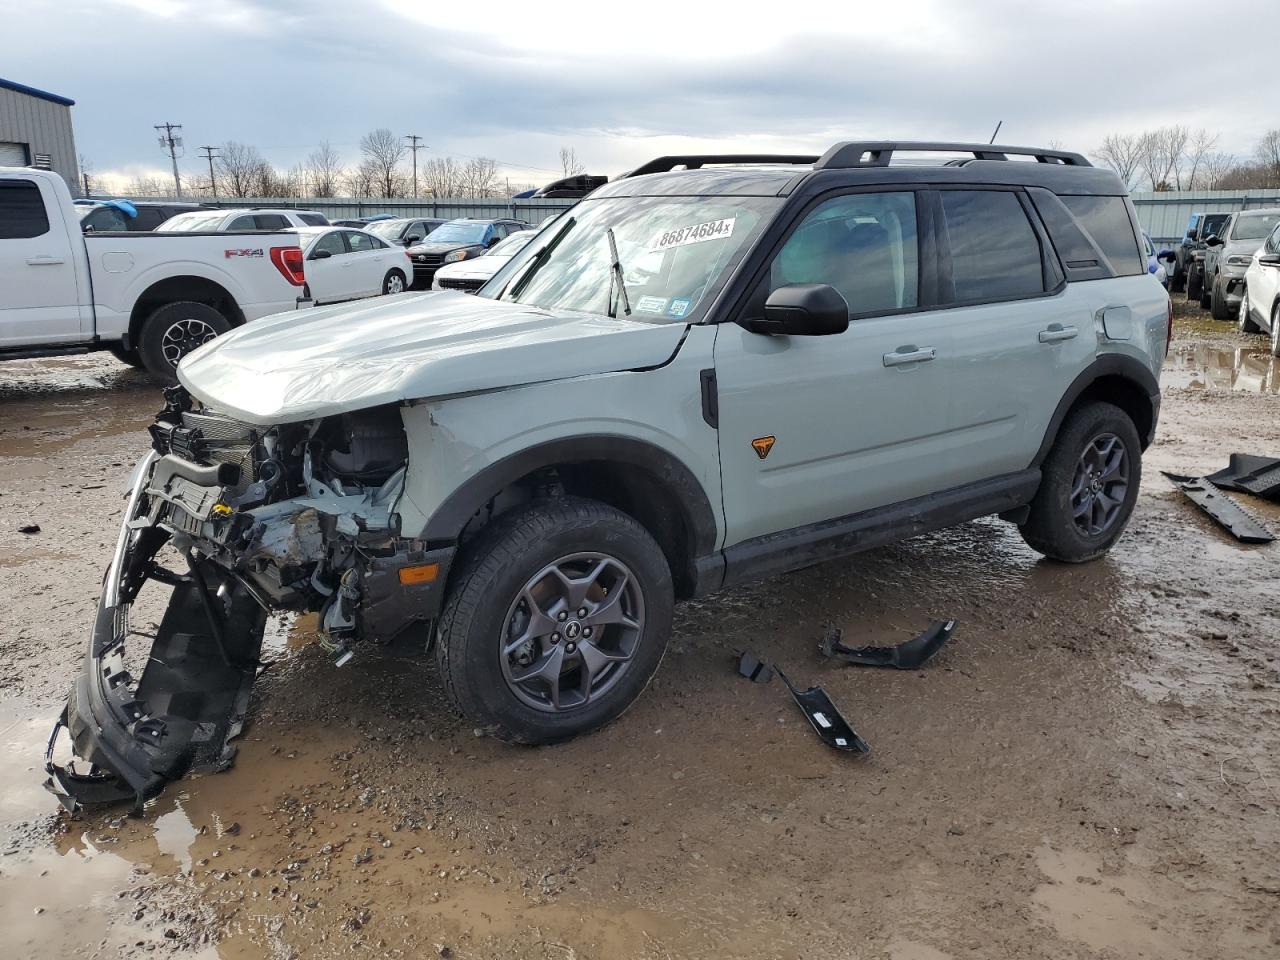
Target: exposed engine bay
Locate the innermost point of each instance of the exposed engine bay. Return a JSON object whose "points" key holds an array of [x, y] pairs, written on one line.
{"points": [[300, 517]]}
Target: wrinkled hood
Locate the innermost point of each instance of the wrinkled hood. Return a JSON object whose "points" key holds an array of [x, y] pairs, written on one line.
{"points": [[323, 361], [444, 247]]}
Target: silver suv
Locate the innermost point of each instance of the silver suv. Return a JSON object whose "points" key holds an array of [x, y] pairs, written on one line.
{"points": [[711, 370]]}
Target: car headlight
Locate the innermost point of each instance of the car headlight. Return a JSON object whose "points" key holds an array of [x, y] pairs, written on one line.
{"points": [[1239, 260], [455, 256]]}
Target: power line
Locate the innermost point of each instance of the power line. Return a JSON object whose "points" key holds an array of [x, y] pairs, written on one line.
{"points": [[209, 154], [172, 144], [413, 139]]}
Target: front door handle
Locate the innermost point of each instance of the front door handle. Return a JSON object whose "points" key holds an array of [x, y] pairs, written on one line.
{"points": [[45, 261], [1057, 332], [909, 354]]}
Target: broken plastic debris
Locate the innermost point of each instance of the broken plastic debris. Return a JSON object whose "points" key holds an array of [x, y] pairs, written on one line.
{"points": [[910, 655], [830, 726]]}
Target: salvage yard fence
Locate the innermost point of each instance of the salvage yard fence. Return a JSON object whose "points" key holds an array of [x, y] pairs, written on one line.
{"points": [[1163, 215]]}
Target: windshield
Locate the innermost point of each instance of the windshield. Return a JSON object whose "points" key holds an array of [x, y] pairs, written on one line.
{"points": [[1255, 226], [458, 233], [387, 229], [512, 245], [676, 253], [187, 222]]}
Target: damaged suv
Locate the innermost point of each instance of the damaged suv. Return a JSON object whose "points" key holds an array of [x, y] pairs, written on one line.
{"points": [[714, 369]]}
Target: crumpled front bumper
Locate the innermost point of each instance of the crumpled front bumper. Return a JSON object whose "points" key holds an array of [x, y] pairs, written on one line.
{"points": [[193, 693]]}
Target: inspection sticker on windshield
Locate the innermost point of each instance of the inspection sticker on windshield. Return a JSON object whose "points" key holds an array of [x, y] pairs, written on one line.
{"points": [[695, 233], [654, 305]]}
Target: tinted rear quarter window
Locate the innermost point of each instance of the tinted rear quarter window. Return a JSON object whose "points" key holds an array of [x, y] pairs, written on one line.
{"points": [[995, 253], [22, 212], [1106, 219], [312, 219]]}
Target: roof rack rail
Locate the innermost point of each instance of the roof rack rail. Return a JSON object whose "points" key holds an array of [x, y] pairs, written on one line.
{"points": [[879, 152], [698, 160]]}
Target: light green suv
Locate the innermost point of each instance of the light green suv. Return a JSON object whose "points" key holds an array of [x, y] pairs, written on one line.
{"points": [[713, 369]]}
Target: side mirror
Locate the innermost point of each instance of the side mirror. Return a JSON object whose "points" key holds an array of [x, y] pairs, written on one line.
{"points": [[1167, 255], [803, 310], [491, 242], [321, 255], [1193, 235], [1270, 260], [1213, 240], [410, 240]]}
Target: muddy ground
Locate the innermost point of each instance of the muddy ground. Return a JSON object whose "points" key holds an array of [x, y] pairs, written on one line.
{"points": [[1089, 770]]}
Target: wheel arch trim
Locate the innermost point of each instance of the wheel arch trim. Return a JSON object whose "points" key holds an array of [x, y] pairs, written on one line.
{"points": [[1108, 366]]}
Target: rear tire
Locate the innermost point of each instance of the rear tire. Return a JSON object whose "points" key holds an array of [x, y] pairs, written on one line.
{"points": [[394, 282], [174, 331], [1275, 330], [1218, 300], [1177, 279], [1195, 285], [1088, 486], [494, 651]]}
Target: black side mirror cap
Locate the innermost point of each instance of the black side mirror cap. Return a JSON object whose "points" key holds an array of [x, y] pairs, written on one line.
{"points": [[410, 241], [1270, 259], [1213, 240], [321, 255], [803, 310]]}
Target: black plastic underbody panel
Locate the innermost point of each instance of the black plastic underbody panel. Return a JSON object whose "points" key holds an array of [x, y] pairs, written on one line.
{"points": [[1250, 474], [1229, 514]]}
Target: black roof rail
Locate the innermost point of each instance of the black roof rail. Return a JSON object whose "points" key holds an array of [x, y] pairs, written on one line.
{"points": [[878, 153], [696, 161]]}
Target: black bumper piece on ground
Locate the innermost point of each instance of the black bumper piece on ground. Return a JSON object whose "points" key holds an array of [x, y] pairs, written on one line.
{"points": [[1230, 515], [188, 706]]}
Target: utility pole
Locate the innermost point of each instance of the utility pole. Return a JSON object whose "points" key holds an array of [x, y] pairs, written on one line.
{"points": [[415, 146], [213, 182], [87, 194], [172, 143]]}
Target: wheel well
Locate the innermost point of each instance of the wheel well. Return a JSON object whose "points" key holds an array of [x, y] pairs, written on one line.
{"points": [[1125, 394], [634, 490], [175, 289]]}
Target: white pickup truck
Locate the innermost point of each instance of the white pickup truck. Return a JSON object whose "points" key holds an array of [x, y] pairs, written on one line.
{"points": [[149, 298]]}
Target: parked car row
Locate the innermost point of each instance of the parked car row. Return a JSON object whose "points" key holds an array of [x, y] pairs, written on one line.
{"points": [[1229, 263]]}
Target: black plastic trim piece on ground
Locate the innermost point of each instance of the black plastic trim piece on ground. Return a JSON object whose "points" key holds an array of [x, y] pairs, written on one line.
{"points": [[1250, 474], [911, 655], [755, 669], [1222, 508], [827, 723]]}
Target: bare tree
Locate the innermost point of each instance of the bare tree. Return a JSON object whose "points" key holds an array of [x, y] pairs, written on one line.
{"points": [[1268, 154], [1199, 148], [442, 176], [148, 187], [480, 177], [383, 153], [323, 168], [239, 168], [570, 163], [1121, 152], [1214, 169]]}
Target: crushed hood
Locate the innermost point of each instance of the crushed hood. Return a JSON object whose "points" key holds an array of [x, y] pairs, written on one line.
{"points": [[319, 362]]}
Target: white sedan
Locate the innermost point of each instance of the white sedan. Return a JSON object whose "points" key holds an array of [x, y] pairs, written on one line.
{"points": [[343, 264], [471, 275]]}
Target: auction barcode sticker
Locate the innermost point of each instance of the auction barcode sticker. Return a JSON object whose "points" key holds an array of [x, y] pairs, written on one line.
{"points": [[695, 233]]}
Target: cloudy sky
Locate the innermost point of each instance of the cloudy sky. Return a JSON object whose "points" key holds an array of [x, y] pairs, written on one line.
{"points": [[623, 83]]}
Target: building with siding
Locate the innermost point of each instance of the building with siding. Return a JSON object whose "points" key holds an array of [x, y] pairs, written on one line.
{"points": [[35, 130]]}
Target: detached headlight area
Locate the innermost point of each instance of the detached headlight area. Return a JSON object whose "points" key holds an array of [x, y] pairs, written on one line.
{"points": [[456, 256]]}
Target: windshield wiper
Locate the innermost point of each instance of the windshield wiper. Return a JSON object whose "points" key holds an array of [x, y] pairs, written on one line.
{"points": [[540, 258], [615, 273]]}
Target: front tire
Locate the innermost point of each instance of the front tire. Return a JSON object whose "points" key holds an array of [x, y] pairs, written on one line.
{"points": [[1195, 284], [557, 617], [1275, 330], [174, 331], [1218, 300], [1244, 321], [393, 282], [1088, 486]]}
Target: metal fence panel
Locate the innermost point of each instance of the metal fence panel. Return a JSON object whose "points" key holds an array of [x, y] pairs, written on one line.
{"points": [[1165, 214], [341, 208]]}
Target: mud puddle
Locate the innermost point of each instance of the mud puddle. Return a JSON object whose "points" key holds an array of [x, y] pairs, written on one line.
{"points": [[1205, 367]]}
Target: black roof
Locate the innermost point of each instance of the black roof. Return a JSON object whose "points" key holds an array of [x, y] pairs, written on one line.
{"points": [[865, 162]]}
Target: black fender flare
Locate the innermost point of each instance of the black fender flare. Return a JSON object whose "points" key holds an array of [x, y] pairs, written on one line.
{"points": [[449, 519], [1108, 365]]}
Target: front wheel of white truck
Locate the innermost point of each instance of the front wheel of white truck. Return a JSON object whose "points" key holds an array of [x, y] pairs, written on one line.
{"points": [[556, 620], [173, 331]]}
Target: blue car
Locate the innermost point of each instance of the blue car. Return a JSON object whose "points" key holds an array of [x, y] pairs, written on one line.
{"points": [[1156, 261]]}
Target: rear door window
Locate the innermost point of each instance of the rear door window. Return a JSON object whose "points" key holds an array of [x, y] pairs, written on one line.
{"points": [[271, 221], [22, 212], [1106, 220], [360, 242], [995, 252]]}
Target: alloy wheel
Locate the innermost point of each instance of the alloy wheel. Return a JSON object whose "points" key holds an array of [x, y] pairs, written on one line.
{"points": [[184, 336], [572, 631], [1099, 485]]}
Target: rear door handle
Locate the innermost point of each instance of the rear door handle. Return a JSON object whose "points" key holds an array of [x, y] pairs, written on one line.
{"points": [[1056, 332], [44, 261], [909, 354]]}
